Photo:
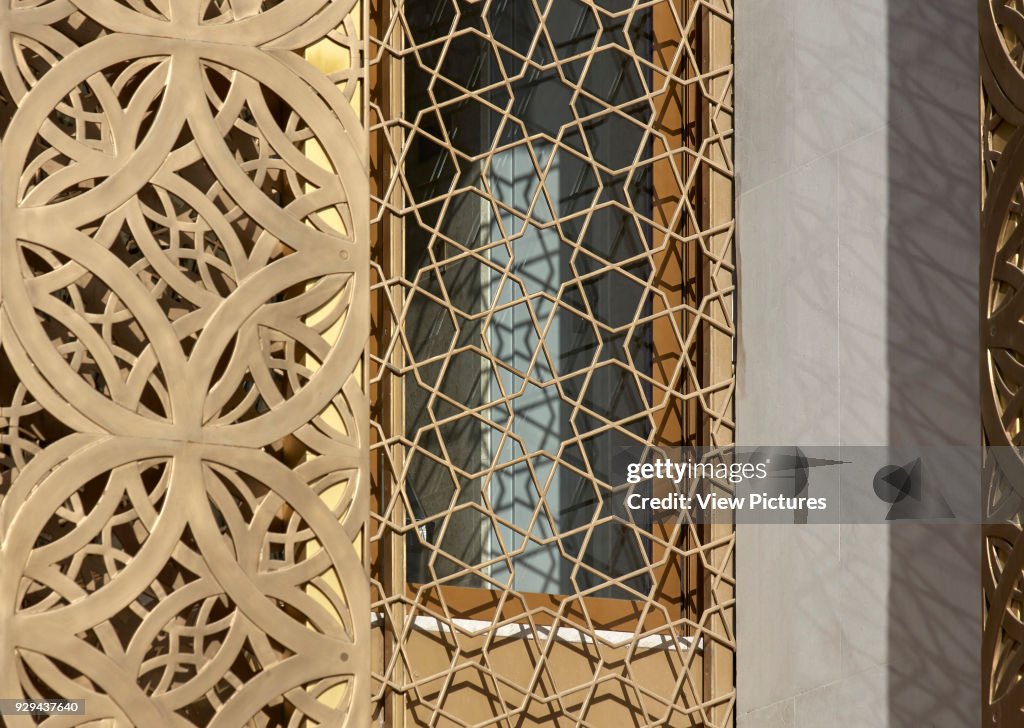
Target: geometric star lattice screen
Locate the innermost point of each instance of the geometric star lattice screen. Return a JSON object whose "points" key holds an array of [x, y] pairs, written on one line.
{"points": [[183, 306], [553, 278]]}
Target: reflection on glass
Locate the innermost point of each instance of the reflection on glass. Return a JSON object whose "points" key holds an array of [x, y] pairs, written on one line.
{"points": [[529, 277]]}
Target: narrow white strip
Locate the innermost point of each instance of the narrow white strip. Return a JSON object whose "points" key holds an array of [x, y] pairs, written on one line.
{"points": [[563, 634]]}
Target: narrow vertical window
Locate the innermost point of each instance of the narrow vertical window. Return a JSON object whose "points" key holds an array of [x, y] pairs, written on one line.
{"points": [[553, 299]]}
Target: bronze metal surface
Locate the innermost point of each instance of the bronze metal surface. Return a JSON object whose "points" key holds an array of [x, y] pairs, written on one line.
{"points": [[1001, 26], [183, 307], [445, 654]]}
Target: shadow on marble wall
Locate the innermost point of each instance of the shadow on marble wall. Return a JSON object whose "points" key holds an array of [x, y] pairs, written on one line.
{"points": [[932, 249]]}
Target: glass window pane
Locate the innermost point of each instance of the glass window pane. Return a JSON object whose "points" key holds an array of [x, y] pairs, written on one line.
{"points": [[531, 284]]}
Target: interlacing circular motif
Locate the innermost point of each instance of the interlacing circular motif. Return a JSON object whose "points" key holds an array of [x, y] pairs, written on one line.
{"points": [[183, 277], [1001, 24], [1002, 233]]}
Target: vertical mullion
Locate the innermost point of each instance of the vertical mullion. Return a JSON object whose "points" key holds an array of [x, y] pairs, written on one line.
{"points": [[388, 87]]}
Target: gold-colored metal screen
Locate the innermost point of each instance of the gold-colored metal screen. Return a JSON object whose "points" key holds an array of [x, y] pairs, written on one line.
{"points": [[553, 282], [183, 307], [1001, 25]]}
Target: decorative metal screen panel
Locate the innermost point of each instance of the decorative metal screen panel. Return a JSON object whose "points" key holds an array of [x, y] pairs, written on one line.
{"points": [[553, 278], [1002, 368], [183, 306]]}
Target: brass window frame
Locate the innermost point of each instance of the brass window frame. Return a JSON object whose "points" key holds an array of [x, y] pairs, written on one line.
{"points": [[683, 281]]}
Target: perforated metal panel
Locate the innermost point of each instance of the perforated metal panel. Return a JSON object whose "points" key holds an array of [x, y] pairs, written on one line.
{"points": [[1002, 154], [184, 302], [184, 308]]}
